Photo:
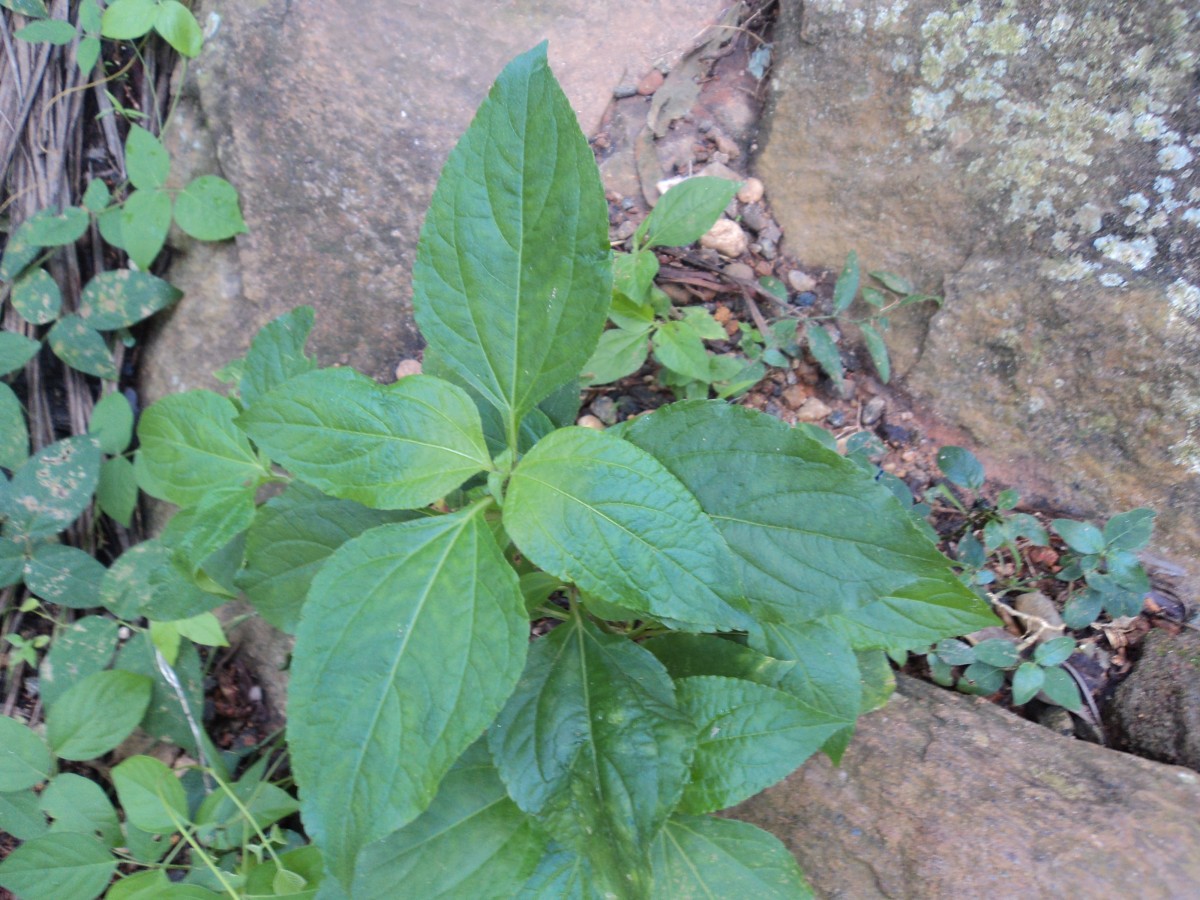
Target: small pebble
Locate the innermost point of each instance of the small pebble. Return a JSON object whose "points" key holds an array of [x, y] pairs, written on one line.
{"points": [[255, 694], [896, 434], [872, 412], [751, 191], [806, 299], [605, 409], [754, 217], [837, 418], [627, 203], [795, 396], [705, 126], [739, 271], [720, 170], [407, 367], [769, 248], [727, 146], [650, 83], [726, 237], [800, 281], [590, 421], [625, 90], [812, 410]]}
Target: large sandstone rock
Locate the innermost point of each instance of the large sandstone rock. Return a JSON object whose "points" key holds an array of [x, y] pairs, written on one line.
{"points": [[943, 796], [1156, 710], [333, 120], [1037, 163]]}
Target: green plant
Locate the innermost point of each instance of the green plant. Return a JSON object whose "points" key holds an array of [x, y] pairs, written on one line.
{"points": [[989, 661], [718, 618], [646, 322]]}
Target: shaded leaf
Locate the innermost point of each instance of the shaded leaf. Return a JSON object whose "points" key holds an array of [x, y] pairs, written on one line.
{"points": [[276, 354], [1027, 680], [82, 347], [1055, 651], [117, 490], [633, 273], [33, 9], [96, 713], [24, 759], [47, 31], [824, 351], [1129, 530], [165, 718], [846, 287], [147, 161], [893, 282], [79, 805], [619, 353], [15, 351], [961, 467], [46, 228], [64, 575], [58, 865], [151, 796], [14, 434], [87, 55], [685, 212], [53, 487], [144, 581], [223, 824], [36, 297], [1082, 537], [20, 815], [997, 652], [81, 649], [207, 209], [879, 352], [679, 348], [145, 220], [112, 423], [1061, 689], [126, 20]]}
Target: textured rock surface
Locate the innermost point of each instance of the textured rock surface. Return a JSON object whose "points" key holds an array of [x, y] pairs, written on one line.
{"points": [[944, 796], [1156, 710], [334, 120], [1036, 163]]}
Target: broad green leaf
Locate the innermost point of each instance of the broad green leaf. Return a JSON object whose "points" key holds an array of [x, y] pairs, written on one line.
{"points": [[90, 17], [1055, 651], [82, 347], [592, 744], [53, 487], [20, 815], [87, 55], [599, 512], [96, 713], [824, 351], [473, 841], [1083, 608], [207, 209], [180, 29], [685, 212], [1129, 530], [749, 737], [1061, 689], [878, 350], [814, 536], [204, 629], [47, 31], [124, 298], [117, 491], [83, 648], [151, 796], [112, 423], [618, 354], [219, 518], [629, 314], [222, 825], [109, 223], [64, 575], [79, 805], [877, 679], [981, 678], [33, 9], [58, 865], [961, 467], [513, 275], [19, 252], [955, 652], [146, 160], [679, 348], [12, 556], [36, 297], [846, 287], [561, 407], [190, 445], [633, 273], [402, 446], [50, 229], [564, 875], [14, 434], [276, 354], [997, 652], [431, 613], [291, 537], [126, 20], [144, 581], [165, 718], [1026, 682], [706, 857], [145, 221], [701, 321], [97, 197], [15, 351], [305, 862], [24, 759]]}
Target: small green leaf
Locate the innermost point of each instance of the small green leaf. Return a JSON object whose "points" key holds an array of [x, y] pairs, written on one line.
{"points": [[222, 515], [701, 321], [36, 297], [79, 805], [53, 487], [85, 647], [207, 209], [685, 212], [1026, 682], [997, 652], [87, 55], [1082, 537], [633, 274], [1055, 651], [127, 20], [31, 9], [14, 435], [396, 447], [19, 253], [276, 354], [961, 467], [20, 815], [166, 719], [50, 229], [117, 490], [12, 559], [64, 575], [24, 759], [564, 875], [749, 737], [58, 865], [144, 581], [678, 347], [592, 743], [146, 160], [955, 652], [846, 287], [619, 353], [109, 223], [824, 351], [1083, 608], [606, 515], [82, 347], [145, 221], [981, 678], [1061, 689], [444, 647], [152, 797], [97, 713], [894, 283], [123, 297], [222, 825], [1129, 530], [702, 856], [97, 197], [47, 31], [628, 314], [878, 350], [190, 445], [180, 29], [112, 423], [15, 351], [875, 297]]}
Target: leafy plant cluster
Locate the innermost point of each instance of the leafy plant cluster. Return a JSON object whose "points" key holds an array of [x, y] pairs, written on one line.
{"points": [[1101, 569], [719, 618]]}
